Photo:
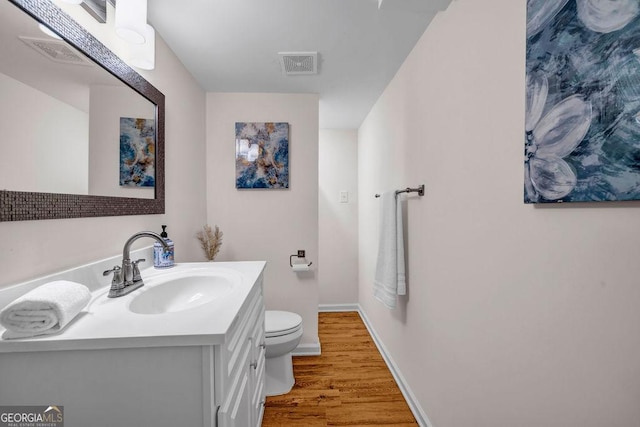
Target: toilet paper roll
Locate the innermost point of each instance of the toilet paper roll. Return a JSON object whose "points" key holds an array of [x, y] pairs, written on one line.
{"points": [[300, 267]]}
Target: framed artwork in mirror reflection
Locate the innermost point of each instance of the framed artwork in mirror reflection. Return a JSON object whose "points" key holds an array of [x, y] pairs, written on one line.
{"points": [[137, 152]]}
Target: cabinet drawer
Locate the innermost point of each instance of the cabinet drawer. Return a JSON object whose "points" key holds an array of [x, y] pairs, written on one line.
{"points": [[258, 368], [240, 336], [258, 377], [259, 399]]}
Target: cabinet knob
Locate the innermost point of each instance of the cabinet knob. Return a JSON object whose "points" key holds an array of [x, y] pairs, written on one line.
{"points": [[263, 345]]}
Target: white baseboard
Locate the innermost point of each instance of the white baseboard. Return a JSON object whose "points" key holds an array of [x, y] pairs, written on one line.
{"points": [[324, 308], [416, 409], [307, 349]]}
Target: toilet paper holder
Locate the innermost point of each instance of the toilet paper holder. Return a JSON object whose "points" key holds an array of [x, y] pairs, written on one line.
{"points": [[300, 254]]}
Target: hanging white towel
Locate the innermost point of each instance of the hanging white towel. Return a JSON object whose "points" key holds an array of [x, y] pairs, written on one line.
{"points": [[400, 261], [390, 278], [44, 310]]}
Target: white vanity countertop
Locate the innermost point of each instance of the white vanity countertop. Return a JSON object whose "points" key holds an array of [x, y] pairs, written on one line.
{"points": [[108, 322]]}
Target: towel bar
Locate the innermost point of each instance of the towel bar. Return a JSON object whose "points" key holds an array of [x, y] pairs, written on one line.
{"points": [[419, 190]]}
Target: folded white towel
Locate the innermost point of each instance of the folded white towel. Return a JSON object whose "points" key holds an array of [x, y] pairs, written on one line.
{"points": [[390, 269], [44, 310]]}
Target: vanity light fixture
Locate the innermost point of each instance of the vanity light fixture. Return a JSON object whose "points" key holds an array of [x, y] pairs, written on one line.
{"points": [[143, 56], [131, 20], [130, 25]]}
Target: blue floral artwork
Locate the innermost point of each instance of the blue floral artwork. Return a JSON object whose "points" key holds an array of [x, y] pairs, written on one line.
{"points": [[262, 155], [582, 124], [137, 152]]}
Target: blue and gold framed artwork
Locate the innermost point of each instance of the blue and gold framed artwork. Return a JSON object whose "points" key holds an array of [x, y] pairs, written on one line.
{"points": [[262, 155], [137, 152], [582, 124]]}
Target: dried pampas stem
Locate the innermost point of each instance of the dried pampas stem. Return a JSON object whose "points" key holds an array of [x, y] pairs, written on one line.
{"points": [[210, 241]]}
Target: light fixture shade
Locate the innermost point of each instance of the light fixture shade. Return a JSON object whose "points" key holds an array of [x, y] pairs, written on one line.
{"points": [[143, 56], [48, 31], [131, 20]]}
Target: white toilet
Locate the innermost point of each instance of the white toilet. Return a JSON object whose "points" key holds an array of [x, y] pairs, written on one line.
{"points": [[283, 331]]}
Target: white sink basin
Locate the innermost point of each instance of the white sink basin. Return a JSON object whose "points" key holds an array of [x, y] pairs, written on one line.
{"points": [[181, 292]]}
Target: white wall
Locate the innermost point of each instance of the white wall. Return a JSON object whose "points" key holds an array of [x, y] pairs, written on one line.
{"points": [[338, 227], [32, 248], [516, 315], [107, 105], [45, 141], [264, 224]]}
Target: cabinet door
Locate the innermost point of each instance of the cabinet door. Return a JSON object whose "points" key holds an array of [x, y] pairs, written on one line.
{"points": [[243, 363], [237, 410], [257, 369]]}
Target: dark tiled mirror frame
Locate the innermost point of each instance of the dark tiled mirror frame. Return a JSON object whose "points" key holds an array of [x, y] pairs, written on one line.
{"points": [[20, 205]]}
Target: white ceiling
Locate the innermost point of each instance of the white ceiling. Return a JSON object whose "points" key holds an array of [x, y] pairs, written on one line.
{"points": [[233, 45]]}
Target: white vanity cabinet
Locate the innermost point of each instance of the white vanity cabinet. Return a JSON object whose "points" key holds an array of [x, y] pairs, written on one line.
{"points": [[147, 370], [241, 378]]}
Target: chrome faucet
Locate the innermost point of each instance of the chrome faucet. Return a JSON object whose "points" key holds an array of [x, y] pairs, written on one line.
{"points": [[127, 278]]}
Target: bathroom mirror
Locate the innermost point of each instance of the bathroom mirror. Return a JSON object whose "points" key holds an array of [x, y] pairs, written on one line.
{"points": [[82, 90]]}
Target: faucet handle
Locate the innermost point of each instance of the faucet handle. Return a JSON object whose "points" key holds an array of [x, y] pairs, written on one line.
{"points": [[115, 270], [136, 271], [117, 283]]}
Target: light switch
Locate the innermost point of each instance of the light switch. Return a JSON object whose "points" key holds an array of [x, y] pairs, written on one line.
{"points": [[344, 197]]}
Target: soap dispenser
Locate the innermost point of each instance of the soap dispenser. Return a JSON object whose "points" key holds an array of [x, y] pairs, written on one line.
{"points": [[162, 258]]}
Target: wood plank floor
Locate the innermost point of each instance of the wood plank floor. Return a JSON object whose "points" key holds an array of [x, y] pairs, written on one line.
{"points": [[348, 385]]}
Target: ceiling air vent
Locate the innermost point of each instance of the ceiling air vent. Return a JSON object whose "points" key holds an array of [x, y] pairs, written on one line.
{"points": [[57, 50], [299, 63]]}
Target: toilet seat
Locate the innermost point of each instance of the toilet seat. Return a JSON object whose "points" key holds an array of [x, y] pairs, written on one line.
{"points": [[279, 323]]}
